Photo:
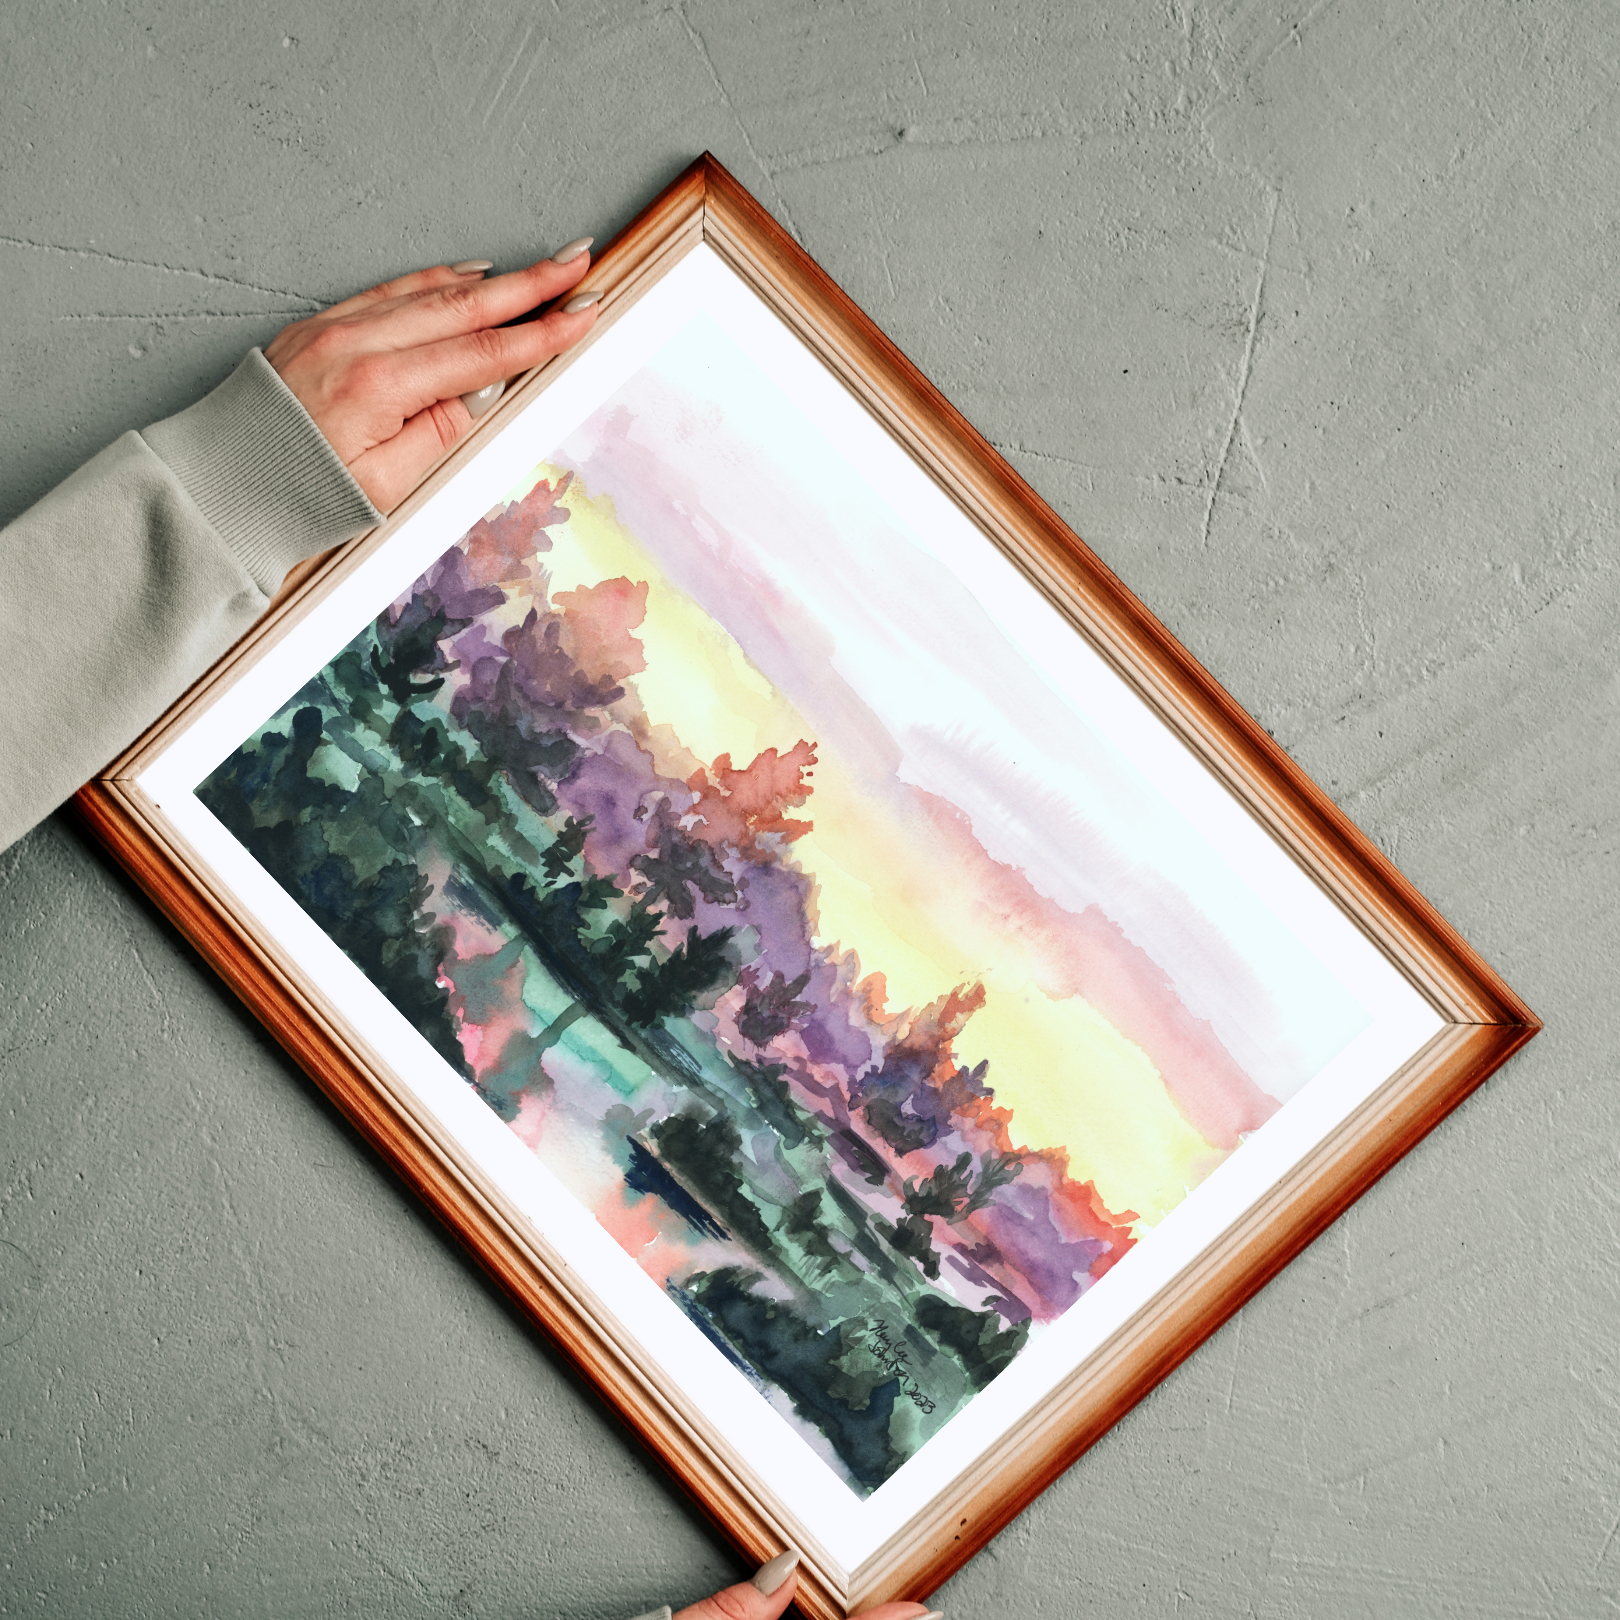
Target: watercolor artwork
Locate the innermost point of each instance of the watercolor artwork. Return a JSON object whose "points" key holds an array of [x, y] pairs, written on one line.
{"points": [[737, 857]]}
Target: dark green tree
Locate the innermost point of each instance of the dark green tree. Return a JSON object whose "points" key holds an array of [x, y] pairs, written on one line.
{"points": [[944, 1192], [680, 866], [604, 963], [305, 830], [913, 1237], [996, 1170], [409, 645], [569, 845], [670, 987], [705, 1155], [980, 1340], [770, 1010]]}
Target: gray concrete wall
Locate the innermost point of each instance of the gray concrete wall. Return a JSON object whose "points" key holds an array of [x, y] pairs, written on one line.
{"points": [[1304, 314]]}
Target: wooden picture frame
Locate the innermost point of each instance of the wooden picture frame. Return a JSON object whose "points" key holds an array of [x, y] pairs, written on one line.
{"points": [[1478, 1021]]}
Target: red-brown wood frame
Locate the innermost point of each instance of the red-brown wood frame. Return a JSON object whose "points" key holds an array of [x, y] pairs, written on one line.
{"points": [[1484, 1021]]}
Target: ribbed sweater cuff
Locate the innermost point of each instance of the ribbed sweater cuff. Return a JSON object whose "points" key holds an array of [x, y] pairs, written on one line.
{"points": [[262, 473]]}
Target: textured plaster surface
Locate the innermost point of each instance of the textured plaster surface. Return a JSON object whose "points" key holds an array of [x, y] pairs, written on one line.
{"points": [[1304, 314]]}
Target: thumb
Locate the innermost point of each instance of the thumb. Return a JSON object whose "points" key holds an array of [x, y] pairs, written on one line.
{"points": [[762, 1598]]}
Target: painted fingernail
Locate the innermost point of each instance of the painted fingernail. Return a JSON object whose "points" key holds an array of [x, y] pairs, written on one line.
{"points": [[581, 301], [771, 1575], [933, 1614], [469, 267], [480, 401], [570, 252]]}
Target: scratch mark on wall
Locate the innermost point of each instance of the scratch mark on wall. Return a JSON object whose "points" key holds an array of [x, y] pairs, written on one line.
{"points": [[1292, 35], [828, 154], [1608, 1542], [167, 269], [1012, 130], [24, 1279], [916, 67], [1059, 461], [1254, 456], [701, 47], [506, 78], [1237, 1356], [1366, 628], [888, 275], [159, 1000], [1243, 373], [182, 315], [536, 57], [1158, 481]]}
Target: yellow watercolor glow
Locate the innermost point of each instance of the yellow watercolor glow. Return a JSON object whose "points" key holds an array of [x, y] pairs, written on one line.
{"points": [[707, 689], [1070, 1078], [1081, 1084]]}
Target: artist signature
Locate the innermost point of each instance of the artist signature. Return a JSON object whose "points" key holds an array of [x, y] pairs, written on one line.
{"points": [[895, 1358]]}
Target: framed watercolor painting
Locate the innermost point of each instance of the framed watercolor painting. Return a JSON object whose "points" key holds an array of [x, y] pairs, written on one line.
{"points": [[842, 967]]}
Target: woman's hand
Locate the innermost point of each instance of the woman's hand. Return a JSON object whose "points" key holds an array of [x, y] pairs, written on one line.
{"points": [[382, 373], [772, 1589]]}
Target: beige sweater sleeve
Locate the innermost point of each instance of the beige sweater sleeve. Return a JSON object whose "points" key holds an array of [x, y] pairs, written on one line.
{"points": [[122, 585]]}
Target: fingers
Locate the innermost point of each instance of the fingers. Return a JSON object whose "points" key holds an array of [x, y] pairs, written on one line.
{"points": [[382, 373], [361, 401], [427, 395], [418, 281], [413, 380], [470, 304], [768, 1594], [744, 1602], [372, 302]]}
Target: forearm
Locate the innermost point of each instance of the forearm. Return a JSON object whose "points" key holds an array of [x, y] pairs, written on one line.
{"points": [[121, 586]]}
